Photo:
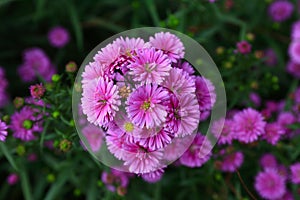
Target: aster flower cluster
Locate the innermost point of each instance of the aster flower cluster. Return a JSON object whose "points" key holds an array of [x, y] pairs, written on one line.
{"points": [[146, 97]]}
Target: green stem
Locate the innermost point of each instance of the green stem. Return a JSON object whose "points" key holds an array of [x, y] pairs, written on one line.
{"points": [[25, 185], [8, 156]]}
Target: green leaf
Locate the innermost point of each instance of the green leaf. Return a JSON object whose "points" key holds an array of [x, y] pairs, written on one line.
{"points": [[26, 188]]}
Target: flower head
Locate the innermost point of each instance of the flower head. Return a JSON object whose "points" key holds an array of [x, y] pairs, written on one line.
{"points": [[100, 101], [149, 66], [198, 153], [145, 106], [248, 125], [268, 161], [169, 44], [243, 47], [293, 68], [154, 176], [3, 130], [222, 130], [205, 92], [94, 136], [37, 90], [232, 162], [294, 52], [295, 173], [25, 123], [296, 31], [12, 179], [269, 184], [58, 36], [270, 56], [273, 132], [280, 10]]}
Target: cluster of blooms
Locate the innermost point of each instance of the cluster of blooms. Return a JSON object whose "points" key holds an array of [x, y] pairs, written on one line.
{"points": [[36, 63], [293, 66], [163, 101], [3, 88], [271, 182]]}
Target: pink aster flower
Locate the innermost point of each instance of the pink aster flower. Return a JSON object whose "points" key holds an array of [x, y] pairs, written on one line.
{"points": [[287, 196], [128, 46], [35, 63], [285, 119], [205, 92], [100, 101], [281, 10], [37, 90], [58, 36], [294, 51], [268, 161], [169, 44], [179, 82], [293, 68], [243, 47], [3, 130], [296, 31], [222, 130], [145, 106], [25, 123], [295, 173], [232, 162], [149, 66], [140, 160], [154, 139], [94, 136], [154, 176], [12, 179], [248, 125], [114, 179], [269, 184], [92, 71], [273, 132], [198, 153], [178, 146], [186, 67]]}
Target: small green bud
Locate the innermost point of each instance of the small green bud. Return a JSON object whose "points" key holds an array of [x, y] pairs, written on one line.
{"points": [[50, 178], [6, 118], [65, 145], [55, 114], [71, 67], [55, 78], [20, 150], [18, 102], [77, 192], [27, 124]]}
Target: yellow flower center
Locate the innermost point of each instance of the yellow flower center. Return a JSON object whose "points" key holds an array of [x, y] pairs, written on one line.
{"points": [[146, 105], [128, 127]]}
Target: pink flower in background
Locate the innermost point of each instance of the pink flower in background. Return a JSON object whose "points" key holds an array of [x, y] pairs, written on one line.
{"points": [[243, 47], [285, 119], [25, 123], [293, 68], [154, 176], [12, 179], [3, 130], [37, 90], [149, 66], [100, 101], [270, 57], [3, 88], [94, 136], [295, 173], [35, 63], [58, 36], [145, 106], [169, 44], [205, 92], [248, 125], [222, 130], [294, 51], [255, 98], [280, 10], [232, 161], [273, 132], [198, 153], [295, 33], [269, 184], [268, 161]]}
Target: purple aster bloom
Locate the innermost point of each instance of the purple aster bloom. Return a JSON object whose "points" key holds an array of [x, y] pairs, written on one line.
{"points": [[293, 68], [268, 161], [25, 123], [269, 184], [3, 130], [145, 106], [287, 196], [35, 63], [186, 67], [154, 176], [222, 130], [205, 92], [255, 98], [149, 66], [153, 139], [100, 101], [232, 161], [243, 47], [204, 115], [296, 31], [273, 132], [128, 46], [294, 51], [285, 119], [92, 71], [179, 82], [169, 43], [94, 136], [58, 36], [295, 173], [248, 125], [198, 153], [12, 179], [270, 57], [37, 90], [280, 10], [178, 146], [114, 179]]}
